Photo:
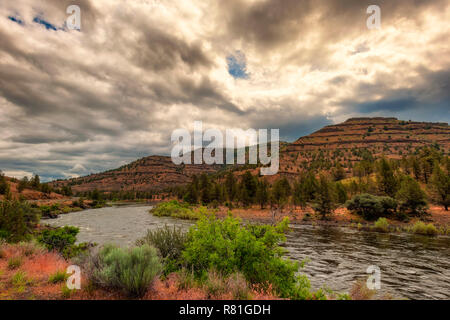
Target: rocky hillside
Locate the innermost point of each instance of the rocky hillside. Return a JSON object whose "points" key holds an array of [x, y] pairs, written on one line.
{"points": [[344, 143], [146, 174], [28, 193]]}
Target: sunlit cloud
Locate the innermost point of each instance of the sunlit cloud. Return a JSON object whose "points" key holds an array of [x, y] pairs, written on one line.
{"points": [[72, 103]]}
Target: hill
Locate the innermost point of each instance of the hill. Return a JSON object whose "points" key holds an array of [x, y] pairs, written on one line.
{"points": [[349, 141], [27, 193], [147, 174], [346, 143]]}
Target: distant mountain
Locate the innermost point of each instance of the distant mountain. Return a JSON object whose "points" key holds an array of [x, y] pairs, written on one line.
{"points": [[342, 143], [345, 142], [146, 174]]}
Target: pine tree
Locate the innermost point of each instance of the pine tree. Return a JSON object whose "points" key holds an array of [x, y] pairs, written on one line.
{"points": [[36, 182], [45, 188], [262, 193], [338, 172], [416, 168], [249, 183], [191, 195], [325, 201], [387, 181], [4, 186], [23, 184], [281, 191], [440, 185], [230, 186], [341, 193], [411, 196]]}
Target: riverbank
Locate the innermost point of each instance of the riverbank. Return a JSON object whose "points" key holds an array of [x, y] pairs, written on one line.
{"points": [[340, 218], [337, 256]]}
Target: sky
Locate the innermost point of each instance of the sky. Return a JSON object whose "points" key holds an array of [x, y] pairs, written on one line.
{"points": [[74, 102]]}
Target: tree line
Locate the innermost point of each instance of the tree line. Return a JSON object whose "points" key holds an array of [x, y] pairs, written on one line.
{"points": [[411, 182]]}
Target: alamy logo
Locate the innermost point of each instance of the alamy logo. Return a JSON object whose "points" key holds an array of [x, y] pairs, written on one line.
{"points": [[374, 20], [374, 280], [236, 139], [73, 22], [74, 280]]}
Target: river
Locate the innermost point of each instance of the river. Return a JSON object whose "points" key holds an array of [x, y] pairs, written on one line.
{"points": [[412, 266]]}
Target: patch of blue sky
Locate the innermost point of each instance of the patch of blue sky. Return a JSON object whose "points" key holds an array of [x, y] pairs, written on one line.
{"points": [[237, 65]]}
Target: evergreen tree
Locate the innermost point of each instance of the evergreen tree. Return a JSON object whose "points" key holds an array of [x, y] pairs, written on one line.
{"points": [[310, 186], [341, 193], [416, 168], [411, 196], [281, 191], [338, 172], [249, 182], [230, 186], [4, 186], [447, 164], [217, 193], [440, 185], [387, 181], [262, 193], [45, 188], [300, 197], [17, 219], [22, 184], [67, 191], [325, 200], [36, 182], [191, 195]]}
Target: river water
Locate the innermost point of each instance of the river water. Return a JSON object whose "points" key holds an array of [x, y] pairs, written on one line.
{"points": [[412, 266]]}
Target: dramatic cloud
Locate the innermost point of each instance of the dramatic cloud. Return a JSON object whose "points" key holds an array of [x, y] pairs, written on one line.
{"points": [[74, 102]]}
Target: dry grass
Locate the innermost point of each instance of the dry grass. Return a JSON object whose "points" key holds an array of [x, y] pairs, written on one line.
{"points": [[360, 291], [31, 281]]}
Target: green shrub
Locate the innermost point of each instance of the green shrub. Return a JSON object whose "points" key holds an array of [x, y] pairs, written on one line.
{"points": [[14, 263], [425, 229], [411, 196], [17, 220], [129, 270], [45, 210], [382, 225], [170, 243], [58, 276], [62, 240], [228, 246], [371, 207], [4, 235], [66, 210], [175, 209]]}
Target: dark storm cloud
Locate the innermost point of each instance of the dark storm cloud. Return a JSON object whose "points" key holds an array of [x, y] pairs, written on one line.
{"points": [[271, 22], [80, 102], [430, 94], [274, 24], [297, 128], [158, 51]]}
